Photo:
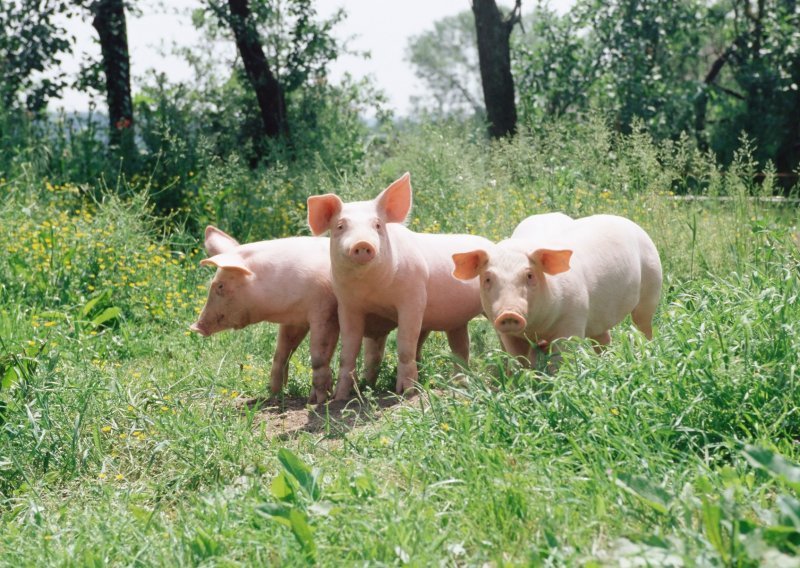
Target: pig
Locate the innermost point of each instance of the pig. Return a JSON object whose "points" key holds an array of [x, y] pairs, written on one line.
{"points": [[284, 281], [577, 278], [380, 268], [541, 226]]}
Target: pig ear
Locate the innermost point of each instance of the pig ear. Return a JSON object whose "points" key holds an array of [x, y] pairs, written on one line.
{"points": [[225, 261], [551, 261], [217, 241], [394, 202], [469, 264], [321, 209]]}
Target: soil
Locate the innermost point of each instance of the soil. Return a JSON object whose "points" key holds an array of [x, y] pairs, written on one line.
{"points": [[288, 416]]}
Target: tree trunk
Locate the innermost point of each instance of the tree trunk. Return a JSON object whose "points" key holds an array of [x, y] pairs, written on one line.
{"points": [[701, 101], [109, 21], [494, 56], [268, 90]]}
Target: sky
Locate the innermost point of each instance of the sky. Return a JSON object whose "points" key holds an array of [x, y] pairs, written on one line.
{"points": [[381, 27]]}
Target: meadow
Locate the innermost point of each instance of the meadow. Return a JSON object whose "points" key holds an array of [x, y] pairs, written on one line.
{"points": [[124, 439]]}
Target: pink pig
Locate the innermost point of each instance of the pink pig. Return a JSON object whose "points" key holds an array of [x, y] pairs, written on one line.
{"points": [[576, 278], [382, 269], [284, 281]]}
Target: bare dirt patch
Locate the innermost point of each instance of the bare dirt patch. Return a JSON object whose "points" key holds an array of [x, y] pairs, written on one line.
{"points": [[287, 416]]}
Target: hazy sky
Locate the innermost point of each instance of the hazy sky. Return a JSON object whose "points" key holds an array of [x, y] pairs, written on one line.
{"points": [[381, 27]]}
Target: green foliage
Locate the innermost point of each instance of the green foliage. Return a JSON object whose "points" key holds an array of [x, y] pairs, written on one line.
{"points": [[31, 43], [759, 89], [555, 65], [706, 70]]}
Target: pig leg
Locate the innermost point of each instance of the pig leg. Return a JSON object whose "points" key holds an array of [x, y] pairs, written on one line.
{"points": [[289, 337], [642, 316], [352, 332], [602, 340], [519, 348], [458, 339], [373, 356], [574, 328], [420, 342], [323, 342], [409, 329]]}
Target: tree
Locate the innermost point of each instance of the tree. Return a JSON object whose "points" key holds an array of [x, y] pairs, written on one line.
{"points": [[31, 45], [268, 90], [446, 60], [556, 63], [650, 54], [493, 32], [752, 83], [284, 48], [108, 18]]}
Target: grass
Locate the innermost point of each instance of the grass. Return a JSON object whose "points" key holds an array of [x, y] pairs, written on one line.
{"points": [[122, 440]]}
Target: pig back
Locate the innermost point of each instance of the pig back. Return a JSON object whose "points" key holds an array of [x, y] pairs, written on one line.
{"points": [[545, 225], [292, 273]]}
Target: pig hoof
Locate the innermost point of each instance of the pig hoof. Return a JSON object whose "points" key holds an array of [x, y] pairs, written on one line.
{"points": [[405, 387], [318, 397], [341, 395]]}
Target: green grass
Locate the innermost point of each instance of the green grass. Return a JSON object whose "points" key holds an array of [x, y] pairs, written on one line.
{"points": [[122, 441]]}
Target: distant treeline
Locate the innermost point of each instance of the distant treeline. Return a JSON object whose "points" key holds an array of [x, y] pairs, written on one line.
{"points": [[718, 74]]}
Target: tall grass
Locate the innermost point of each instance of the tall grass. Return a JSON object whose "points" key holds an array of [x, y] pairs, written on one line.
{"points": [[122, 440]]}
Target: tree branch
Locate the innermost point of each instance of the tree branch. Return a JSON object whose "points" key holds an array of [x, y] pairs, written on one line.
{"points": [[730, 92], [515, 17]]}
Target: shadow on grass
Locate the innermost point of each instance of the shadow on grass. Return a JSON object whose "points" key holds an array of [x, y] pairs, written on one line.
{"points": [[288, 416]]}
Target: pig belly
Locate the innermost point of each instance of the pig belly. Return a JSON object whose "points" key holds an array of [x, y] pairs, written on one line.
{"points": [[606, 313], [376, 326], [451, 306]]}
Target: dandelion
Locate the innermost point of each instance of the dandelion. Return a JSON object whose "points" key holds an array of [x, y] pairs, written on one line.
{"points": [[444, 426], [615, 411], [106, 429], [119, 477], [384, 441], [102, 476], [123, 436]]}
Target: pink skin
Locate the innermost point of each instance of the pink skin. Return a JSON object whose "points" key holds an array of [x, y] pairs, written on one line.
{"points": [[579, 279], [284, 281], [380, 268]]}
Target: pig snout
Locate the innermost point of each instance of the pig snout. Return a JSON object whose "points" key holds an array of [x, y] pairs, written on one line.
{"points": [[362, 252], [509, 322], [197, 327]]}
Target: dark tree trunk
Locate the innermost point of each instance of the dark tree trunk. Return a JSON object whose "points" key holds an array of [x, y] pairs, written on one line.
{"points": [[701, 101], [109, 21], [268, 90], [494, 56]]}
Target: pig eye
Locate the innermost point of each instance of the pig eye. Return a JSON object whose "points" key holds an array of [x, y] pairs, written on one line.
{"points": [[530, 277], [377, 225], [487, 281], [340, 225]]}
